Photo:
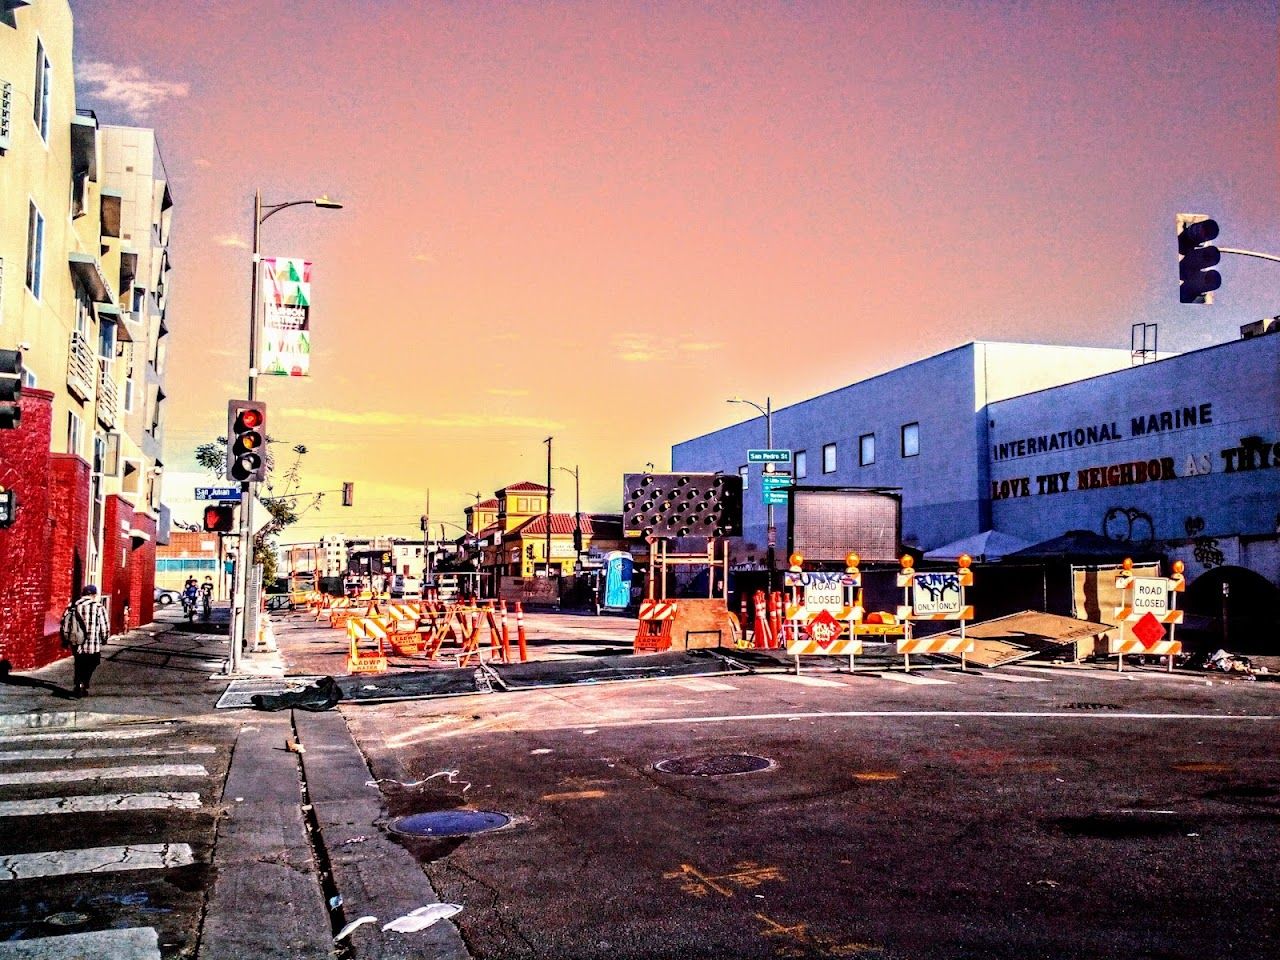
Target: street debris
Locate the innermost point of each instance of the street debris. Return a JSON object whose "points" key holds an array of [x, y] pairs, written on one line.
{"points": [[360, 839], [1232, 663], [483, 682], [450, 775], [324, 694], [540, 751], [335, 901], [422, 917], [294, 746], [1044, 883], [346, 931]]}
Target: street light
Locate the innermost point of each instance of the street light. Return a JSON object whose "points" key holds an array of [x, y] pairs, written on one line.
{"points": [[577, 512], [239, 611], [767, 412]]}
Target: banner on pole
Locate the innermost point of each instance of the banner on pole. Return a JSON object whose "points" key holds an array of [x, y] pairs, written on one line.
{"points": [[286, 321]]}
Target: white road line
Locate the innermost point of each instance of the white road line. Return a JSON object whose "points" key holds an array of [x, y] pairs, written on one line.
{"points": [[86, 735], [1012, 677], [804, 681], [103, 773], [101, 803], [1086, 673], [938, 714], [58, 863], [101, 753], [703, 685], [135, 943], [911, 678]]}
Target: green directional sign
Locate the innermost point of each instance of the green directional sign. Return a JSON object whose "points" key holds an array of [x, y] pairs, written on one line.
{"points": [[773, 488], [768, 456]]}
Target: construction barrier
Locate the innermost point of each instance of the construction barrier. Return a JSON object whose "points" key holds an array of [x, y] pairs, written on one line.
{"points": [[653, 632], [823, 611], [1148, 605], [935, 596], [361, 661]]}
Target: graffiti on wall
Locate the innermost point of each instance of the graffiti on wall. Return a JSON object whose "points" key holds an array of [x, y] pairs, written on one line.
{"points": [[1129, 525], [1205, 549]]}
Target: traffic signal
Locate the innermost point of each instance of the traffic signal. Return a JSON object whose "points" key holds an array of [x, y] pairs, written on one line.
{"points": [[247, 441], [1195, 256], [8, 507], [349, 494], [219, 518], [11, 374], [577, 539]]}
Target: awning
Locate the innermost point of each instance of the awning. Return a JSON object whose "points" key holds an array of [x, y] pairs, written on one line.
{"points": [[87, 271], [137, 534], [84, 145], [986, 547], [111, 313], [110, 202]]}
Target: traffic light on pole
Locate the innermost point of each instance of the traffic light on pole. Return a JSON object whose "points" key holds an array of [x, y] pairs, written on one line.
{"points": [[247, 441], [349, 494], [219, 518], [11, 374], [1196, 282]]}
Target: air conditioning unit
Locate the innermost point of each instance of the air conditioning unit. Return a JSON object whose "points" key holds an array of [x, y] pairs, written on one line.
{"points": [[6, 113], [1260, 327]]}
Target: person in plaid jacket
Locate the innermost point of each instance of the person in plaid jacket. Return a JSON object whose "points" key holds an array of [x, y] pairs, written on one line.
{"points": [[85, 629]]}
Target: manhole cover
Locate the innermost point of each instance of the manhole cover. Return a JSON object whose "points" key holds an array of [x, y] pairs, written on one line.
{"points": [[721, 765], [449, 823], [1091, 706], [67, 918]]}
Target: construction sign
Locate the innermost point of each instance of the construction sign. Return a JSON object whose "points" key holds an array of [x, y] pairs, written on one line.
{"points": [[823, 611], [935, 596], [1147, 615]]}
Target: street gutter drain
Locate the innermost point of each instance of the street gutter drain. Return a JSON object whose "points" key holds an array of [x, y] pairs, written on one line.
{"points": [[68, 918], [721, 765], [449, 823]]}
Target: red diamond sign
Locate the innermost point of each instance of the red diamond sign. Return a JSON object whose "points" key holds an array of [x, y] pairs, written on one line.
{"points": [[1149, 630], [824, 629]]}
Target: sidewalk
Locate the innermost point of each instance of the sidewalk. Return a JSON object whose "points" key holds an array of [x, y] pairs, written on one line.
{"points": [[282, 817]]}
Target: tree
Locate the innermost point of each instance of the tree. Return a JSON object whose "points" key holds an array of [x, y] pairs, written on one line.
{"points": [[285, 507]]}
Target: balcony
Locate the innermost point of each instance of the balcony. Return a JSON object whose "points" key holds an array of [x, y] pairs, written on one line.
{"points": [[80, 367], [108, 395]]}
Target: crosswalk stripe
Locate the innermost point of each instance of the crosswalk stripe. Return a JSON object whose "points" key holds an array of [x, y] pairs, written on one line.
{"points": [[101, 803], [134, 943], [805, 681], [912, 678], [1012, 678], [702, 685], [87, 735], [103, 773], [101, 753], [1086, 673], [57, 863]]}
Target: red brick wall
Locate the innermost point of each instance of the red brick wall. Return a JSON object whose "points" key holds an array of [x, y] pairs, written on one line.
{"points": [[69, 536], [142, 573], [116, 544], [24, 546]]}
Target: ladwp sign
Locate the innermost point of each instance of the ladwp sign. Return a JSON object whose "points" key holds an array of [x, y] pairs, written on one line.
{"points": [[934, 594]]}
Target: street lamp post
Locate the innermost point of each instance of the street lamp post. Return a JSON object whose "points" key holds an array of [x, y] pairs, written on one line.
{"points": [[767, 412], [238, 632], [577, 512]]}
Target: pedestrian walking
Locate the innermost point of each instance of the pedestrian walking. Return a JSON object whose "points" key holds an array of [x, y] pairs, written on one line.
{"points": [[85, 629]]}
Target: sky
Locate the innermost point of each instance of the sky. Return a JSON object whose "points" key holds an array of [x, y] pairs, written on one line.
{"points": [[597, 221]]}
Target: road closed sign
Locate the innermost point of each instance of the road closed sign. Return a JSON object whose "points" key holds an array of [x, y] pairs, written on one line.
{"points": [[824, 594], [1150, 595]]}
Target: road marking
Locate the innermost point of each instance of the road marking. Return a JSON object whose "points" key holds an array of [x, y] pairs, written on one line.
{"points": [[57, 863], [911, 678], [103, 773], [86, 735], [938, 714], [702, 685], [1077, 672], [875, 775], [100, 753], [101, 803], [1013, 678], [805, 681], [1201, 766], [575, 795], [135, 943]]}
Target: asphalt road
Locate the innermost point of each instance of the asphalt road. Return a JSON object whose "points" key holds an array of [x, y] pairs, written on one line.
{"points": [[1065, 814]]}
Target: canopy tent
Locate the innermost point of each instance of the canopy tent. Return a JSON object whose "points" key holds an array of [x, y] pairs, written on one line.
{"points": [[985, 547], [1085, 546]]}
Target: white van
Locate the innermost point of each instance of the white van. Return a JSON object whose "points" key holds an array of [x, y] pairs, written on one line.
{"points": [[405, 588]]}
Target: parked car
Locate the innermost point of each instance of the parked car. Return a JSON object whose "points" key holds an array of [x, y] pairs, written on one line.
{"points": [[165, 598]]}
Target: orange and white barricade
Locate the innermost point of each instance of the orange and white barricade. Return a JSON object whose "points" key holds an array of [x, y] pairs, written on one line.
{"points": [[822, 620], [1148, 614], [935, 596], [366, 629], [653, 632]]}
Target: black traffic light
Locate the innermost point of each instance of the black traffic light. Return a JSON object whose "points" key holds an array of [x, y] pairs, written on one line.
{"points": [[219, 518], [577, 539], [247, 441], [11, 375], [1195, 256]]}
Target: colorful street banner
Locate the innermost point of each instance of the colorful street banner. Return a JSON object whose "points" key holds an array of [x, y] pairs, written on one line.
{"points": [[286, 321]]}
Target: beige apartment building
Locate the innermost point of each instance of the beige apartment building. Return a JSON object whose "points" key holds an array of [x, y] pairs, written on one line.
{"points": [[84, 225]]}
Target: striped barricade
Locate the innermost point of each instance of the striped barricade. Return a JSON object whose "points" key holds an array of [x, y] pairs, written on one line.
{"points": [[939, 643], [653, 632], [366, 629], [1147, 615]]}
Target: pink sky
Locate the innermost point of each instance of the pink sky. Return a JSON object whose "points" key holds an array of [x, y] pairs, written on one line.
{"points": [[599, 220]]}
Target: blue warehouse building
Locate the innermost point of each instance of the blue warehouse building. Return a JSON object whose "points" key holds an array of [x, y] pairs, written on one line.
{"points": [[1181, 453]]}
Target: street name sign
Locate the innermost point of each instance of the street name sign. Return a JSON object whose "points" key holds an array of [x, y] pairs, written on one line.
{"points": [[774, 486], [217, 493], [768, 456]]}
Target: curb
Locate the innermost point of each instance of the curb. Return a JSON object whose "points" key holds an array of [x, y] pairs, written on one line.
{"points": [[72, 719]]}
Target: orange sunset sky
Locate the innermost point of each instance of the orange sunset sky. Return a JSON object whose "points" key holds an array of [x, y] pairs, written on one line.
{"points": [[598, 220]]}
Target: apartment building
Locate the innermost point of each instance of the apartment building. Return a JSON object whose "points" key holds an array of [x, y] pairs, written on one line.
{"points": [[84, 462]]}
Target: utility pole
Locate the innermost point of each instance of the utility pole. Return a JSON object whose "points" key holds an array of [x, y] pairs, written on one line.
{"points": [[426, 542], [548, 548]]}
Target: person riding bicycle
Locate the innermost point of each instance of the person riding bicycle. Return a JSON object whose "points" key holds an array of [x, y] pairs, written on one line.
{"points": [[189, 594], [206, 597]]}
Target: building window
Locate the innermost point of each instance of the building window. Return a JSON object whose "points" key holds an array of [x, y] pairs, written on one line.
{"points": [[829, 458], [802, 465], [745, 473], [35, 250], [40, 102], [911, 439], [75, 432], [866, 449]]}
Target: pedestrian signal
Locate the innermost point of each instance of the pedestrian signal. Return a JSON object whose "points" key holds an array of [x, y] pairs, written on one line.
{"points": [[219, 518], [247, 441]]}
